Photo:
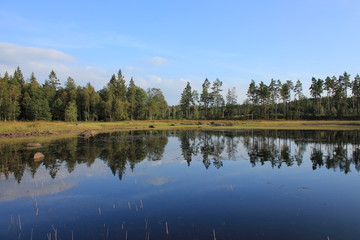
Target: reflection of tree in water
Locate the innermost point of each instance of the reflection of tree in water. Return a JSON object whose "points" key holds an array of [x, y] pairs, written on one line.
{"points": [[336, 157], [117, 150], [209, 145], [130, 148], [187, 145], [317, 158], [356, 158], [122, 150], [330, 148]]}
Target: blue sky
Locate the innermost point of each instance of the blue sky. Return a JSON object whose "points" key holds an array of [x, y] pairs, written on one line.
{"points": [[164, 44]]}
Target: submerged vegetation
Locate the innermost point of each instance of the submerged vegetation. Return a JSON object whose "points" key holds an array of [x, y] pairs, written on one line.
{"points": [[29, 100]]}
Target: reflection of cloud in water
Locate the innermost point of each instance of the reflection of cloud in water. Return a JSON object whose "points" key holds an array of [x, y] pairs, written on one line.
{"points": [[42, 183], [158, 181], [155, 163], [12, 190]]}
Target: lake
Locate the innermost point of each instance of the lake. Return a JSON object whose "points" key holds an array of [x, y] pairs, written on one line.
{"points": [[239, 184]]}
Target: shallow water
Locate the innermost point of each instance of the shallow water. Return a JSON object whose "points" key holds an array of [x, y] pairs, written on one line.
{"points": [[272, 184]]}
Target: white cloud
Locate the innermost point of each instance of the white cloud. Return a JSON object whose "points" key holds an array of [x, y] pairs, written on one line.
{"points": [[11, 53], [42, 60], [158, 181], [157, 61], [134, 69], [184, 80], [155, 79]]}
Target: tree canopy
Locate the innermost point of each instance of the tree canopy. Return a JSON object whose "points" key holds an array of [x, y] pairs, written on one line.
{"points": [[27, 99]]}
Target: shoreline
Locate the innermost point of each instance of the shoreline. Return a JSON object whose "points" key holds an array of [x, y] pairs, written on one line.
{"points": [[45, 129]]}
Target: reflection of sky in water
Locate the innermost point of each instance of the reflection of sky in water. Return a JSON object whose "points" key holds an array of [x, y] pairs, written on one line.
{"points": [[237, 200], [42, 183]]}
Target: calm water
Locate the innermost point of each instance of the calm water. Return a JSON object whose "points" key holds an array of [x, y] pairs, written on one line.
{"points": [[184, 185]]}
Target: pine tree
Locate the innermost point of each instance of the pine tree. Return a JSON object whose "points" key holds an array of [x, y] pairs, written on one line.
{"points": [[355, 89], [131, 98], [285, 96], [298, 96], [39, 106], [274, 88], [231, 103], [71, 112], [253, 96], [186, 100], [217, 99], [140, 99], [205, 99]]}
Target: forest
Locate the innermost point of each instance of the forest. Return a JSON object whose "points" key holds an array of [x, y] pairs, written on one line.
{"points": [[27, 99]]}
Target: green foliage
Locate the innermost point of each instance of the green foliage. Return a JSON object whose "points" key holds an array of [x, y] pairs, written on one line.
{"points": [[217, 100], [205, 99], [186, 100], [38, 107], [71, 112], [156, 104], [29, 100]]}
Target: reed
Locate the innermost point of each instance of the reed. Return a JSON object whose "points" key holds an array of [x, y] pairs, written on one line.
{"points": [[146, 222], [55, 232], [20, 224], [166, 228]]}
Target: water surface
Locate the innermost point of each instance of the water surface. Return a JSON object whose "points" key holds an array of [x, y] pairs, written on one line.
{"points": [[272, 184]]}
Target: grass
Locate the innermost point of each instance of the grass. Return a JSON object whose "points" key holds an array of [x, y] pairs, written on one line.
{"points": [[66, 129]]}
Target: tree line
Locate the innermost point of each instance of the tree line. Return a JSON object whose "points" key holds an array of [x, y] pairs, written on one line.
{"points": [[331, 98], [20, 99]]}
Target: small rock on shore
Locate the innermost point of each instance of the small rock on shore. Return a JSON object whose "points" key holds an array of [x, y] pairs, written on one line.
{"points": [[38, 156], [33, 145], [87, 134]]}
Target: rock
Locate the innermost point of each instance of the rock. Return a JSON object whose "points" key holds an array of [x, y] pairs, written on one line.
{"points": [[172, 124], [87, 134], [151, 126], [33, 145], [38, 156]]}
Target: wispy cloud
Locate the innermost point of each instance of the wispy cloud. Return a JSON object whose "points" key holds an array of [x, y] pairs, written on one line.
{"points": [[219, 54], [11, 53], [184, 80], [42, 60], [157, 61], [155, 79], [158, 181], [134, 69]]}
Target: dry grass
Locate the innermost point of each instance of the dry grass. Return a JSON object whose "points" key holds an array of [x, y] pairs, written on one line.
{"points": [[65, 129]]}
